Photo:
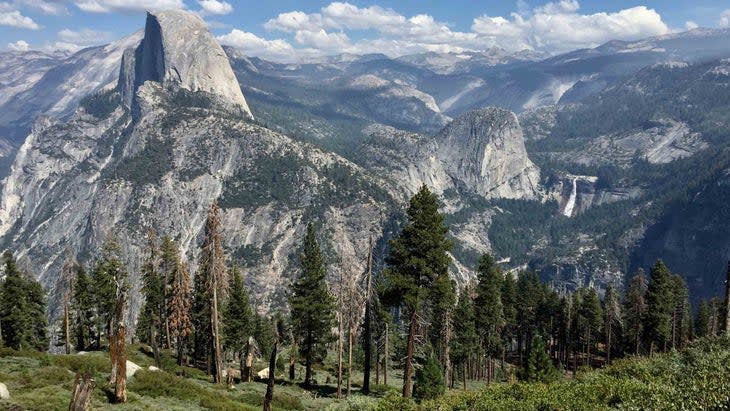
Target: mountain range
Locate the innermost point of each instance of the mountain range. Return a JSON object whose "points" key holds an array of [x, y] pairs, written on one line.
{"points": [[582, 166]]}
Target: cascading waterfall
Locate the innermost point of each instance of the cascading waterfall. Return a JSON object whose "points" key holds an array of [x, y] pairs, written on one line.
{"points": [[570, 205]]}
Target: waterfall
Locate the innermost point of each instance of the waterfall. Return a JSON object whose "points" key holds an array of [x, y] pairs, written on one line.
{"points": [[570, 205]]}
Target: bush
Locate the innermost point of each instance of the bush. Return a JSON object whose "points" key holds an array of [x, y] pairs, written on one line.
{"points": [[429, 382]]}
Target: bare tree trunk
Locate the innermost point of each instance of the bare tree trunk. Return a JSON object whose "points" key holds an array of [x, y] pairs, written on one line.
{"points": [[367, 335], [120, 384], [339, 359], [66, 328], [385, 356], [410, 348], [155, 346], [247, 362], [269, 397], [727, 300], [216, 348], [349, 362], [377, 366], [81, 395]]}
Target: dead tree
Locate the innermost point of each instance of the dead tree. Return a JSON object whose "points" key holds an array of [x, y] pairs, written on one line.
{"points": [[367, 333], [269, 398], [247, 360], [117, 348], [81, 394]]}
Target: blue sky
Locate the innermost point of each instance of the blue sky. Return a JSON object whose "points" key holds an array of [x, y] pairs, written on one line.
{"points": [[291, 30]]}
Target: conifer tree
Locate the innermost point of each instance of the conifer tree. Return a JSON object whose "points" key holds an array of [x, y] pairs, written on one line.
{"points": [[108, 276], [592, 313], [83, 308], [238, 318], [702, 323], [22, 309], [660, 305], [312, 306], [169, 265], [539, 367], [178, 309], [214, 282], [634, 311], [148, 324], [429, 382], [489, 312], [442, 298], [612, 319], [681, 316], [466, 339], [509, 308], [418, 256]]}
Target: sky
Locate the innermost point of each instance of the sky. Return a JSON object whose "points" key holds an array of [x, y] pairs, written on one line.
{"points": [[289, 30]]}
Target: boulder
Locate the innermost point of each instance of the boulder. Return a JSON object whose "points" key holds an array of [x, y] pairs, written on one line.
{"points": [[263, 374], [4, 394], [132, 368], [153, 368]]}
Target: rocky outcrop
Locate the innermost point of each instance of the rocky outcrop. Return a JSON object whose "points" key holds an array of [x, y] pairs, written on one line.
{"points": [[484, 151], [178, 49], [4, 394]]}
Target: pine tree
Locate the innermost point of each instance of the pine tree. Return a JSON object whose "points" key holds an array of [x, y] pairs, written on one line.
{"points": [[442, 298], [22, 309], [681, 315], [178, 309], [489, 312], [429, 382], [238, 318], [148, 323], [108, 276], [83, 308], [466, 339], [312, 306], [634, 311], [418, 256], [592, 313], [702, 323], [214, 282], [660, 307], [539, 367], [169, 265], [612, 319], [509, 308], [527, 301]]}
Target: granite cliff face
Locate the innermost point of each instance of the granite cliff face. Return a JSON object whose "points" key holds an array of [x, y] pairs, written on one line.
{"points": [[179, 50]]}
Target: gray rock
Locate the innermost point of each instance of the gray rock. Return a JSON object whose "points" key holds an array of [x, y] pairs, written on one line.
{"points": [[4, 393]]}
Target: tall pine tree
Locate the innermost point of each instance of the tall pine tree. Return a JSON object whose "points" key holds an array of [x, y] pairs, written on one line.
{"points": [[178, 309], [660, 306], [418, 257], [22, 309], [82, 304], [489, 311], [612, 319], [634, 312], [238, 318], [312, 306], [109, 276]]}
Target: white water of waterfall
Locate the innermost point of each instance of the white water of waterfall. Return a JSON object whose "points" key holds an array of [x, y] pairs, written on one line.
{"points": [[570, 205]]}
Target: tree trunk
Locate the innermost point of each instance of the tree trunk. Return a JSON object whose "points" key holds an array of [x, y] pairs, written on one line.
{"points": [[120, 384], [727, 300], [247, 362], [367, 335], [155, 346], [180, 351], [216, 348], [269, 397], [410, 348], [339, 355], [608, 343], [385, 356], [349, 362], [81, 395], [66, 328]]}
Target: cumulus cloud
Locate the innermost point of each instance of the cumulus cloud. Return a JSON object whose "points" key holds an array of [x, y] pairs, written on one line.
{"points": [[725, 18], [20, 45], [690, 25], [10, 16], [251, 44], [553, 27], [558, 27], [214, 7], [108, 6], [52, 7]]}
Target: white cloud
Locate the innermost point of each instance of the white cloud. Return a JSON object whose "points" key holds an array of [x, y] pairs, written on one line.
{"points": [[215, 7], [9, 16], [690, 25], [558, 27], [253, 45], [108, 6], [20, 45], [725, 18], [52, 7], [84, 37], [553, 27]]}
